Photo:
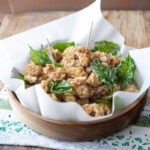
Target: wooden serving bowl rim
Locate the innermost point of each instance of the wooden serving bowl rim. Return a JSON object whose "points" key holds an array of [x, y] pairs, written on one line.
{"points": [[114, 116]]}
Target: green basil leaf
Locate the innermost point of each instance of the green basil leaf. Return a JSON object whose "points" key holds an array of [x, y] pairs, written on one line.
{"points": [[104, 74], [107, 47], [125, 71], [21, 77], [59, 87], [40, 57], [62, 46]]}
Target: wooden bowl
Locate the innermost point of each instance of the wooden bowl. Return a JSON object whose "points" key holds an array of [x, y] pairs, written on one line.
{"points": [[78, 131]]}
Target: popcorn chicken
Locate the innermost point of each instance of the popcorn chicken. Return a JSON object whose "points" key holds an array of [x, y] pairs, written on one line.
{"points": [[114, 61], [131, 88], [69, 62], [100, 91], [32, 69], [82, 91], [49, 68], [75, 56], [44, 85], [42, 77], [57, 55], [96, 109], [77, 81], [92, 80], [69, 52], [80, 87], [83, 54], [76, 72], [54, 74], [30, 79], [84, 60], [104, 57]]}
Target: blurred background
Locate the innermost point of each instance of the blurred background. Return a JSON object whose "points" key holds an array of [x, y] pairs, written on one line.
{"points": [[13, 6]]}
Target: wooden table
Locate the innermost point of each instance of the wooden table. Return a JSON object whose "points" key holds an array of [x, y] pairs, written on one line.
{"points": [[133, 25]]}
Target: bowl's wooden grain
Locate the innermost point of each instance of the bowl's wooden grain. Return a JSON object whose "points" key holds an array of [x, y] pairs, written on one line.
{"points": [[78, 131]]}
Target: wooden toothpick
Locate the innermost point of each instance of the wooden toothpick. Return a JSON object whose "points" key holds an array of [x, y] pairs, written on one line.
{"points": [[51, 54], [89, 35]]}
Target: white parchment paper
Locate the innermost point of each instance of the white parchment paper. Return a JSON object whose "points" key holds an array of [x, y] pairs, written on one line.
{"points": [[15, 55]]}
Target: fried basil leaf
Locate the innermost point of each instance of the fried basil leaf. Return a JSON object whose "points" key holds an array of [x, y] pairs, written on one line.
{"points": [[107, 47], [59, 87], [125, 71], [103, 99], [104, 74], [62, 46], [21, 77], [42, 57]]}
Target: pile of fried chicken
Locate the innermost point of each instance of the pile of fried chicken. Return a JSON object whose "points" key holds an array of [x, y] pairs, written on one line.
{"points": [[77, 72]]}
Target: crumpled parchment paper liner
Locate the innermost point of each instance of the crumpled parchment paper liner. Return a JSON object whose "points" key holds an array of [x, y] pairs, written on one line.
{"points": [[15, 55]]}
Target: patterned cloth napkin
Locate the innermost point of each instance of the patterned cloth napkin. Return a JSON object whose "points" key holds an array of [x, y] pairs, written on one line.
{"points": [[135, 137]]}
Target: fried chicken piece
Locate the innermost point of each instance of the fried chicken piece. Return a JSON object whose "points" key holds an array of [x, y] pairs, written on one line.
{"points": [[96, 109], [104, 57], [42, 77], [107, 60], [77, 81], [30, 79], [100, 91], [54, 73], [57, 55], [69, 58], [49, 68], [80, 87], [82, 91], [75, 56], [32, 69], [70, 62], [83, 54], [76, 72], [69, 52], [84, 60], [131, 88], [92, 80], [44, 85], [114, 61]]}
